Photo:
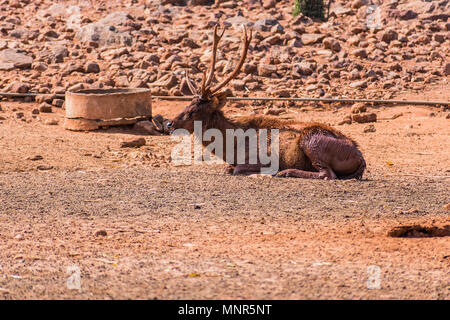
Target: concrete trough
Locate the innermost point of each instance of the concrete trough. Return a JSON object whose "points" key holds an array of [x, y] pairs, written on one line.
{"points": [[91, 109]]}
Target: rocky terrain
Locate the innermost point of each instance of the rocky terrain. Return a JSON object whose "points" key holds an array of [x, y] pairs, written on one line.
{"points": [[367, 48], [111, 208]]}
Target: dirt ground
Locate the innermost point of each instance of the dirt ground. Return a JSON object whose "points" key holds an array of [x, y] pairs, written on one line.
{"points": [[133, 226]]}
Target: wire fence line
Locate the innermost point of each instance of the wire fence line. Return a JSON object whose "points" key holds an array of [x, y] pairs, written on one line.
{"points": [[327, 100]]}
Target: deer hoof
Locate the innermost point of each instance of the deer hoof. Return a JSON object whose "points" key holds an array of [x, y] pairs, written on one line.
{"points": [[283, 174], [229, 169]]}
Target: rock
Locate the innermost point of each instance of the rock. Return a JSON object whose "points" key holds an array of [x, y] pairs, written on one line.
{"points": [[92, 67], [332, 44], [269, 4], [19, 60], [358, 108], [272, 40], [439, 37], [18, 87], [309, 38], [44, 167], [302, 69], [201, 2], [39, 66], [51, 122], [189, 43], [361, 53], [266, 70], [19, 115], [274, 111], [249, 68], [35, 158], [45, 107], [40, 98], [407, 15], [100, 233], [6, 66], [58, 103], [76, 87], [358, 84], [369, 128], [364, 117], [59, 53], [105, 32], [389, 35], [356, 4], [265, 25], [238, 85], [133, 143], [447, 69]]}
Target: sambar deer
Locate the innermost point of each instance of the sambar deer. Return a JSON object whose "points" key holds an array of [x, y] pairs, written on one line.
{"points": [[306, 150]]}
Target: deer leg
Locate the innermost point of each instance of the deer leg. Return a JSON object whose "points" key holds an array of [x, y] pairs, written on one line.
{"points": [[246, 169], [296, 173]]}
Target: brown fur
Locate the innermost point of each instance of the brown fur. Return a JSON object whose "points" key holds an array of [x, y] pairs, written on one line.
{"points": [[295, 137]]}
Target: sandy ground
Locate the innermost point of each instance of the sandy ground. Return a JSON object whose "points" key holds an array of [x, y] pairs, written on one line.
{"points": [[132, 225]]}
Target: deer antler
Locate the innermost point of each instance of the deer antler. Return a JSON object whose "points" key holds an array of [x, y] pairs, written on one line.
{"points": [[247, 39], [206, 89], [217, 38], [190, 84]]}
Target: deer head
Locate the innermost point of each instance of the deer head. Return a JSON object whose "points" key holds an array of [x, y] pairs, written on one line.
{"points": [[209, 99]]}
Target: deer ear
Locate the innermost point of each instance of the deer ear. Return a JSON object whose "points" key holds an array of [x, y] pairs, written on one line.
{"points": [[220, 99]]}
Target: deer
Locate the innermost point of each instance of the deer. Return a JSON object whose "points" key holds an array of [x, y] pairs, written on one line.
{"points": [[307, 150]]}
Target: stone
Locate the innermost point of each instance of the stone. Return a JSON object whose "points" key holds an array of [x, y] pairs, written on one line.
{"points": [[18, 87], [389, 35], [360, 53], [369, 128], [59, 103], [356, 4], [269, 4], [19, 60], [312, 38], [39, 66], [45, 107], [189, 43], [358, 108], [302, 69], [266, 70], [249, 68], [447, 69], [358, 84], [59, 53], [44, 98], [265, 25], [332, 44], [407, 15], [105, 32], [91, 67], [364, 117], [133, 143]]}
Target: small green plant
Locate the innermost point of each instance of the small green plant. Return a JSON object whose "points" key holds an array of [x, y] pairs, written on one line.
{"points": [[310, 8]]}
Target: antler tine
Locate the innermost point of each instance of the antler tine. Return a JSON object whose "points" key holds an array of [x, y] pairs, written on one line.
{"points": [[190, 84], [247, 39], [217, 38], [203, 90]]}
